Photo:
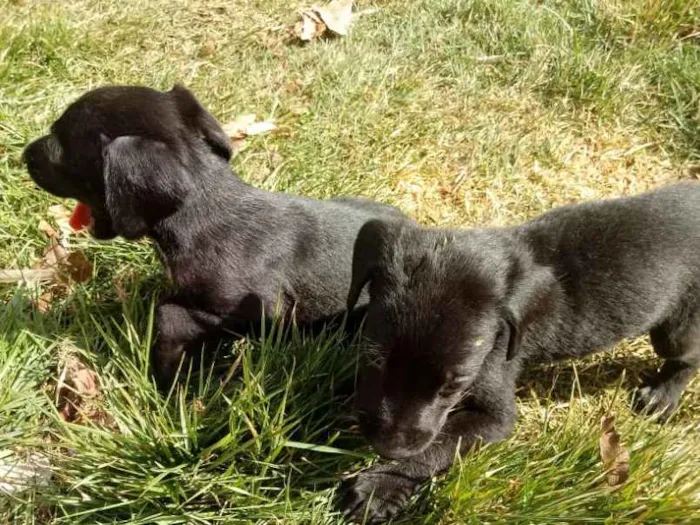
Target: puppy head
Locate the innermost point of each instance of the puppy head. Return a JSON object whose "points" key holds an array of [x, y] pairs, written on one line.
{"points": [[440, 302], [130, 153]]}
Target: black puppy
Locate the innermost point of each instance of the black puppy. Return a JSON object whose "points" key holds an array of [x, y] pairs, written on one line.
{"points": [[150, 163], [453, 315]]}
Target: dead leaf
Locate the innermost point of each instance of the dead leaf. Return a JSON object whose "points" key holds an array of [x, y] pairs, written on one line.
{"points": [[48, 229], [337, 15], [58, 266], [85, 382], [54, 254], [245, 126], [59, 211], [77, 387], [78, 267], [237, 127], [259, 128], [43, 303], [613, 453], [310, 26]]}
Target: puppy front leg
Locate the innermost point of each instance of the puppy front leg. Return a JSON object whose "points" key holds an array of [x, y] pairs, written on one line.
{"points": [[176, 329], [380, 492]]}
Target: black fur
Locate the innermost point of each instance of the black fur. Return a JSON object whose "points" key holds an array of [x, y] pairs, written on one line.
{"points": [[155, 164], [454, 314]]}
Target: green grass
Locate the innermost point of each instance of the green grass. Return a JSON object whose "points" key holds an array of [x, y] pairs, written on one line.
{"points": [[460, 112]]}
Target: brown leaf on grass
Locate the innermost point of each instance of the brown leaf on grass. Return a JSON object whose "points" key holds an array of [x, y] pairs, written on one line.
{"points": [[615, 456], [237, 128], [337, 15], [54, 255], [58, 266], [77, 392], [59, 211], [245, 126], [78, 267], [310, 26], [49, 230], [334, 17]]}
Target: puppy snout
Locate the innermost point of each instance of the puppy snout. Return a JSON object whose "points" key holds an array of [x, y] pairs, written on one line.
{"points": [[402, 443], [31, 154], [40, 154], [394, 441]]}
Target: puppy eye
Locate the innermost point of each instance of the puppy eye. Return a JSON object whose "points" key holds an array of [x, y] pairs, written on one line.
{"points": [[451, 388]]}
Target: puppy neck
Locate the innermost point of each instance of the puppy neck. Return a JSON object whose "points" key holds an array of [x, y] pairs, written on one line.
{"points": [[209, 212]]}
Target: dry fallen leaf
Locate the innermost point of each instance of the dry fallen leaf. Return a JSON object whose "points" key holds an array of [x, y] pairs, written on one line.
{"points": [[54, 254], [335, 17], [56, 262], [310, 26], [59, 211], [615, 456], [258, 128], [245, 126], [237, 127], [78, 267], [58, 266], [77, 387]]}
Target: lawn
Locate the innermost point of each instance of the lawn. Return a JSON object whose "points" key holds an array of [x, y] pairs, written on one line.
{"points": [[481, 112]]}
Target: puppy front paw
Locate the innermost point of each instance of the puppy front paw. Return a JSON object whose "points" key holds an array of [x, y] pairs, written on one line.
{"points": [[659, 401], [376, 495]]}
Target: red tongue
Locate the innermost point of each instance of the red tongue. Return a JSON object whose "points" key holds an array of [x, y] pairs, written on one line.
{"points": [[81, 217]]}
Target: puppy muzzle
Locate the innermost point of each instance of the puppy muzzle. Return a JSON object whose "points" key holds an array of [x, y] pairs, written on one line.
{"points": [[397, 442], [42, 158]]}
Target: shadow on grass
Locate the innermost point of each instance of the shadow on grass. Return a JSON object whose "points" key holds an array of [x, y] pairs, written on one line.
{"points": [[589, 377]]}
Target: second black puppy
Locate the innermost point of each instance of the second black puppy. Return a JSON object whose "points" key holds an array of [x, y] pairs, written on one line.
{"points": [[155, 164], [453, 315]]}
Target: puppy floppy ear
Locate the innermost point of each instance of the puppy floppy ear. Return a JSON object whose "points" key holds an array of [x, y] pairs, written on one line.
{"points": [[531, 296], [373, 250], [144, 182], [201, 120]]}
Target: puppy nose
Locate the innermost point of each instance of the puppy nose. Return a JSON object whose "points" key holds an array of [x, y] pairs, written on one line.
{"points": [[397, 444], [30, 154]]}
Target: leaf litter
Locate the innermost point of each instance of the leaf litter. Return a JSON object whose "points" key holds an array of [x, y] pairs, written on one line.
{"points": [[615, 456], [79, 400], [333, 18], [245, 126], [78, 392], [59, 267]]}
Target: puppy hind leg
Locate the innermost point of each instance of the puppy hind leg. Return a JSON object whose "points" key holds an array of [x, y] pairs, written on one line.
{"points": [[678, 343], [176, 330]]}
